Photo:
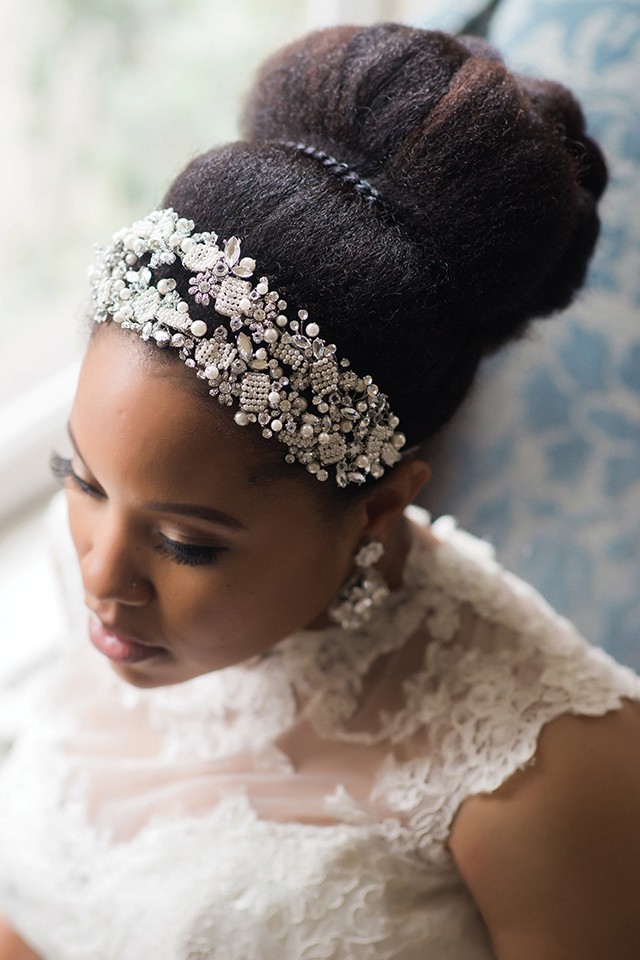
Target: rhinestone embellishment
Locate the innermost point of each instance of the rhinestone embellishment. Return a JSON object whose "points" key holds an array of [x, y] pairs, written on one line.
{"points": [[277, 370]]}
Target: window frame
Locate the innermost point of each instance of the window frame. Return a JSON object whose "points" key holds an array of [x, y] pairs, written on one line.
{"points": [[31, 425]]}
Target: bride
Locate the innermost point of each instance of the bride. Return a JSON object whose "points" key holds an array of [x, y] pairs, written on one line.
{"points": [[302, 721]]}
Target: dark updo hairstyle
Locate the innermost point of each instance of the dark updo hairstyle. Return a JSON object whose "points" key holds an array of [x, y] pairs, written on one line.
{"points": [[487, 217]]}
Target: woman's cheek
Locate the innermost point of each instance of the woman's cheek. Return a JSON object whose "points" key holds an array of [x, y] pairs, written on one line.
{"points": [[77, 527]]}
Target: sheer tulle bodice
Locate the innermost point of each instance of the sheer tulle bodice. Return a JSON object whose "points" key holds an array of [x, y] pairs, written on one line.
{"points": [[299, 805]]}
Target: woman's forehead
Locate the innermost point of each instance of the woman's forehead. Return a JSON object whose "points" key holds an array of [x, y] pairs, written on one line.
{"points": [[145, 413]]}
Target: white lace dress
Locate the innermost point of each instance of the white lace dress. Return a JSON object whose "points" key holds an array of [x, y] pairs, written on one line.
{"points": [[296, 807]]}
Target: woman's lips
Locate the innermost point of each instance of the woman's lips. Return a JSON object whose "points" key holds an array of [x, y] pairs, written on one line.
{"points": [[118, 647]]}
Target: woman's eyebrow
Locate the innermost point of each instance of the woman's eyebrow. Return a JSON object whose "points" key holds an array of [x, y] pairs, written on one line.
{"points": [[182, 509], [201, 512]]}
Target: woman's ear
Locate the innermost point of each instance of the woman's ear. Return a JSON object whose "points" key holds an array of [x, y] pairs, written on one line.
{"points": [[387, 502]]}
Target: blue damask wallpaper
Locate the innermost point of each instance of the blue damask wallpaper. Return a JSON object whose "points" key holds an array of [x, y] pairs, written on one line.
{"points": [[545, 459]]}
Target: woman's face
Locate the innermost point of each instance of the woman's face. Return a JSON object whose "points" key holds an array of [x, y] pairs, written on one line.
{"points": [[193, 558]]}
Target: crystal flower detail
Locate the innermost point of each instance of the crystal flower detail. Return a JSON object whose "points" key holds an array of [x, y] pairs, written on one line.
{"points": [[202, 287]]}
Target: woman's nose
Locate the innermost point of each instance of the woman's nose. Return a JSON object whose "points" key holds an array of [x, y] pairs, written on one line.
{"points": [[112, 565]]}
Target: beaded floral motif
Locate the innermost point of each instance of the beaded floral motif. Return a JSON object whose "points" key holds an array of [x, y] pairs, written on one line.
{"points": [[278, 371]]}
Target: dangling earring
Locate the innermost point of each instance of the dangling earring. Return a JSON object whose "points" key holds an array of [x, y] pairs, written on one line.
{"points": [[365, 590]]}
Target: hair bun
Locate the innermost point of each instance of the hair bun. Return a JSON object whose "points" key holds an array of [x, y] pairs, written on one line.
{"points": [[487, 213], [492, 173]]}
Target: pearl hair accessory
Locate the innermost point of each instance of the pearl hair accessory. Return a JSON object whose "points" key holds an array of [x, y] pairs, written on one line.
{"points": [[365, 590], [278, 371]]}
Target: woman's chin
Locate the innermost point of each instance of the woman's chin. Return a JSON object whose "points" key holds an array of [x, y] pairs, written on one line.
{"points": [[148, 674]]}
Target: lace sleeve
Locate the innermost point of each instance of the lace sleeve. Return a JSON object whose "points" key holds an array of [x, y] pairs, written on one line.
{"points": [[484, 696]]}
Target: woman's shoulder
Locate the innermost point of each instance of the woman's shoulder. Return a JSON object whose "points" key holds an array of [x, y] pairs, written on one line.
{"points": [[552, 856]]}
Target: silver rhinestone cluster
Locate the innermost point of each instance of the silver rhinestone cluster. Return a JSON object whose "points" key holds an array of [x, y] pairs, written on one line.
{"points": [[278, 371]]}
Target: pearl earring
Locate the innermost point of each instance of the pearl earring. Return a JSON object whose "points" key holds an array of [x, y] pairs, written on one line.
{"points": [[365, 590]]}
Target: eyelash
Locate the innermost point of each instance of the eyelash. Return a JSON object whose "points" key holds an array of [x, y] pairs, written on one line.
{"points": [[182, 553], [62, 468], [188, 553]]}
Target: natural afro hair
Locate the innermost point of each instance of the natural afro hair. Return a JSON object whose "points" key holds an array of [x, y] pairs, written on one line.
{"points": [[489, 187]]}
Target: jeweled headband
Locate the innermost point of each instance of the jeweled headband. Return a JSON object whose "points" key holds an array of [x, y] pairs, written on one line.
{"points": [[278, 371]]}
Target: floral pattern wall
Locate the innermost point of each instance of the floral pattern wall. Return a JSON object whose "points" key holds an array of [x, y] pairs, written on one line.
{"points": [[545, 459]]}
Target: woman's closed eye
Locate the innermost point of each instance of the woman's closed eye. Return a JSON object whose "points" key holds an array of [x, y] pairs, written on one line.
{"points": [[62, 469], [194, 555], [190, 554]]}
